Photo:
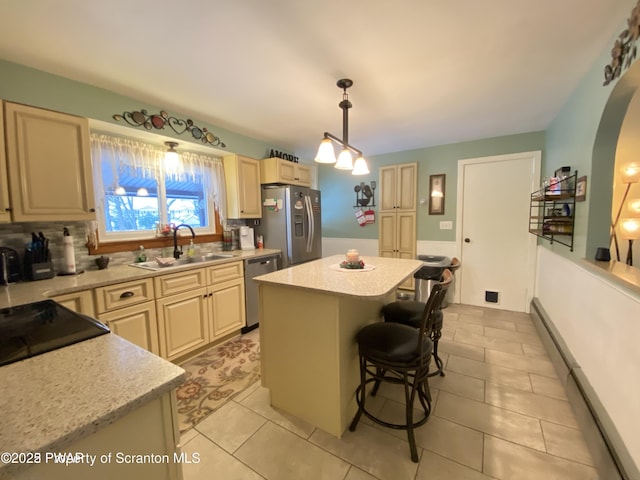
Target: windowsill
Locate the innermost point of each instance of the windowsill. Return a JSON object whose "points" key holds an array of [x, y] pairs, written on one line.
{"points": [[156, 242]]}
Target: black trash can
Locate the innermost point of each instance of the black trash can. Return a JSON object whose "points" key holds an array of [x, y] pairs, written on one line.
{"points": [[429, 274]]}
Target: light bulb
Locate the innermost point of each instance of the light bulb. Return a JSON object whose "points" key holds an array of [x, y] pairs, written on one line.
{"points": [[630, 172], [630, 228], [634, 205], [345, 160], [119, 190], [360, 166], [326, 154]]}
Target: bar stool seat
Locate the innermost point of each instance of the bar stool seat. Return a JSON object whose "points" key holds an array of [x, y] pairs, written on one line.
{"points": [[409, 312], [400, 354]]}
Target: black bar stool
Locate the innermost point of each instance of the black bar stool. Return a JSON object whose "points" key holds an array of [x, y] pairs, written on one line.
{"points": [[409, 312], [400, 354]]}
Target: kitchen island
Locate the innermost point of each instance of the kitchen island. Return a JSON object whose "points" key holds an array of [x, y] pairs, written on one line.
{"points": [[309, 317]]}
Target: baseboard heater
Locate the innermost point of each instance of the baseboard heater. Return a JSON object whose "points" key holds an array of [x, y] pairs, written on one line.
{"points": [[610, 455]]}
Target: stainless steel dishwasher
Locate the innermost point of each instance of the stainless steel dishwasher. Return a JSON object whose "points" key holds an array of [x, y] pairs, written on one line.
{"points": [[254, 267]]}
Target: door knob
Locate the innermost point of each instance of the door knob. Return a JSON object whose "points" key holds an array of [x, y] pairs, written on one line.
{"points": [[467, 240]]}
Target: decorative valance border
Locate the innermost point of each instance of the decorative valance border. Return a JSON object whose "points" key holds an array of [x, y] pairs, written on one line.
{"points": [[158, 121]]}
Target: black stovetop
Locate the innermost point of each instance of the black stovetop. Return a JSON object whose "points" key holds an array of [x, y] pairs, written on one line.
{"points": [[36, 328]]}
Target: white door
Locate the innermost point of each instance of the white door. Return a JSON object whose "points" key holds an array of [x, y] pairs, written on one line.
{"points": [[497, 252]]}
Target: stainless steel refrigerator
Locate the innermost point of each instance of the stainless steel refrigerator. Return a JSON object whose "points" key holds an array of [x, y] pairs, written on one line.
{"points": [[291, 221]]}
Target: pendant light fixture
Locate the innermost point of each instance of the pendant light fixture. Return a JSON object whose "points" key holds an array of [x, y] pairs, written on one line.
{"points": [[326, 153], [171, 159]]}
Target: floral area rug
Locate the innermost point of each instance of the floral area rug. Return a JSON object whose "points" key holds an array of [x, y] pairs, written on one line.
{"points": [[216, 376]]}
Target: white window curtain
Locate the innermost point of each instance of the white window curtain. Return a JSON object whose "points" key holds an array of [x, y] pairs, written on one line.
{"points": [[123, 152]]}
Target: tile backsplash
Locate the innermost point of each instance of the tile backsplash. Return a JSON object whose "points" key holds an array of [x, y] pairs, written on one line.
{"points": [[18, 236]]}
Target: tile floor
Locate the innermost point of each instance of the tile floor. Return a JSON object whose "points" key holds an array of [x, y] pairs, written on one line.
{"points": [[499, 413]]}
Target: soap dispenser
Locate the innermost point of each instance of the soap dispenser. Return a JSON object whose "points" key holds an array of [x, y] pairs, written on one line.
{"points": [[191, 251]]}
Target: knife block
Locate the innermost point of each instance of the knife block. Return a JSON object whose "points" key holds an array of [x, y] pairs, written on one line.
{"points": [[38, 271]]}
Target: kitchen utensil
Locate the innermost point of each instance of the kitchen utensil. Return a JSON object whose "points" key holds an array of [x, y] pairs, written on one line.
{"points": [[357, 190], [373, 193]]}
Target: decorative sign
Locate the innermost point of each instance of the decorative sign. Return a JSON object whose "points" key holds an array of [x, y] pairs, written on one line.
{"points": [[159, 120], [282, 155]]}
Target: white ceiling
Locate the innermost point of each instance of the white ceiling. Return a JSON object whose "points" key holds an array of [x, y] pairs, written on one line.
{"points": [[425, 72]]}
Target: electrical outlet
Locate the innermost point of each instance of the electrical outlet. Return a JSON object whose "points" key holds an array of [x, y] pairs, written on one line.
{"points": [[446, 225]]}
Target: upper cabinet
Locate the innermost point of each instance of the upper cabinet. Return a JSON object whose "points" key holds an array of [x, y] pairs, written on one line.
{"points": [[278, 170], [49, 161], [242, 181], [5, 206], [398, 187]]}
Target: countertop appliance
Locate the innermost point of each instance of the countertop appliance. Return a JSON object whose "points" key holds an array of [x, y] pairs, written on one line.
{"points": [[36, 328], [254, 267], [9, 266], [246, 239], [291, 222]]}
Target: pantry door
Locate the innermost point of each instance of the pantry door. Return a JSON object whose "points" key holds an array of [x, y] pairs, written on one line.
{"points": [[497, 252]]}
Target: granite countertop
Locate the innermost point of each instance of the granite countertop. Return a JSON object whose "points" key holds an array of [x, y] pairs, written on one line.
{"points": [[27, 292], [52, 400], [324, 275]]}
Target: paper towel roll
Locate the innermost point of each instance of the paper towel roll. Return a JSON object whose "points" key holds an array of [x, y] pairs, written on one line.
{"points": [[69, 255]]}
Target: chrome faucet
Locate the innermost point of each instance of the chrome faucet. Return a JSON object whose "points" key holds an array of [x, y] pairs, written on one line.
{"points": [[176, 252]]}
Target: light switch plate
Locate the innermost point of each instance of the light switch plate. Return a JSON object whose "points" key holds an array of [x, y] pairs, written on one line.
{"points": [[448, 225]]}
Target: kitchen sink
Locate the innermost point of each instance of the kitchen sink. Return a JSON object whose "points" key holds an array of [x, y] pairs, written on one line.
{"points": [[211, 257]]}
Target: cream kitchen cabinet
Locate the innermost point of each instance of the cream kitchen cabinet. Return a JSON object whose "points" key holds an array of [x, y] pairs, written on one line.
{"points": [[183, 323], [278, 170], [80, 302], [129, 311], [226, 299], [137, 323], [49, 165], [5, 206], [198, 307], [182, 312], [397, 218], [398, 187], [242, 181]]}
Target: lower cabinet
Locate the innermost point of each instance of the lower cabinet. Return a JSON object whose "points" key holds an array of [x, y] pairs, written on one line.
{"points": [[226, 303], [137, 323], [170, 315], [183, 323], [80, 302]]}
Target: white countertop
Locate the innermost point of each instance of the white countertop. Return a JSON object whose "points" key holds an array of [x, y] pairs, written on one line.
{"points": [[27, 292], [52, 400], [323, 275]]}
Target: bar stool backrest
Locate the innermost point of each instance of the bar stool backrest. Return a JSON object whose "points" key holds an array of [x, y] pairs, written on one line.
{"points": [[438, 292]]}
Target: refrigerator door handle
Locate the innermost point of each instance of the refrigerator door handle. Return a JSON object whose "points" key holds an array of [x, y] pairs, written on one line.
{"points": [[307, 200]]}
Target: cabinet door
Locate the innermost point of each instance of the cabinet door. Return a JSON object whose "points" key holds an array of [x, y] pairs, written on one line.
{"points": [[138, 324], [5, 206], [286, 172], [242, 181], [250, 188], [406, 186], [81, 302], [387, 235], [388, 188], [303, 175], [49, 165], [227, 308], [406, 234], [182, 323]]}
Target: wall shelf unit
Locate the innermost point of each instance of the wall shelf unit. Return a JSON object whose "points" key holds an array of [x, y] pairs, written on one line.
{"points": [[552, 211]]}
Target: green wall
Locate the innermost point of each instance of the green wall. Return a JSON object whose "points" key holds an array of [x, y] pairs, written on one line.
{"points": [[584, 135], [338, 196], [34, 87]]}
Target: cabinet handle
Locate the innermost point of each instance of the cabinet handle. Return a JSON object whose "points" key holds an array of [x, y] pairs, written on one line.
{"points": [[467, 240], [127, 294], [7, 209], [92, 210]]}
